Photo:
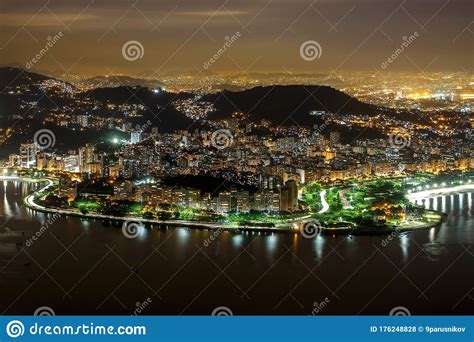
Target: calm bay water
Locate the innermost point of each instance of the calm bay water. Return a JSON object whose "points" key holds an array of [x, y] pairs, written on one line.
{"points": [[87, 267]]}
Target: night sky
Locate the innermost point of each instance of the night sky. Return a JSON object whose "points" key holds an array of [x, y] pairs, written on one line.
{"points": [[180, 36]]}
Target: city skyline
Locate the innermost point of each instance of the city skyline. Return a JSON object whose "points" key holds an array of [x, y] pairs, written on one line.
{"points": [[267, 157]]}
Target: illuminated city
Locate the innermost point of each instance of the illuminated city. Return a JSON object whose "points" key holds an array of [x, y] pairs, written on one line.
{"points": [[223, 160]]}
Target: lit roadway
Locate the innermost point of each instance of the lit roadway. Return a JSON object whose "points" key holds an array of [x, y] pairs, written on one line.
{"points": [[325, 204], [344, 199], [30, 202]]}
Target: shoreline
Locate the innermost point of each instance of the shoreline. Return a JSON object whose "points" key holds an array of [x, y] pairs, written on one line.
{"points": [[28, 201], [440, 191]]}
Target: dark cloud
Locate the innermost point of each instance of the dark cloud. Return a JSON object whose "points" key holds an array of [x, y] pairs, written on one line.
{"points": [[182, 35]]}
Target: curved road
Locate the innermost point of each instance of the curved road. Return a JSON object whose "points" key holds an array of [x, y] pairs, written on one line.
{"points": [[325, 204], [30, 202]]}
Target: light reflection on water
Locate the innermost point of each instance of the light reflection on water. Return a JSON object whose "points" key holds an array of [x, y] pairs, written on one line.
{"points": [[404, 244], [459, 206], [319, 242], [271, 243], [252, 254]]}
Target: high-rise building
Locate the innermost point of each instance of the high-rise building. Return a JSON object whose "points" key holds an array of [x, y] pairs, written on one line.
{"points": [[28, 155], [335, 138], [225, 202], [41, 160], [71, 163], [194, 197], [83, 120], [135, 137], [14, 160], [275, 202], [243, 202], [292, 195], [131, 168], [284, 199], [233, 198], [86, 157], [267, 200]]}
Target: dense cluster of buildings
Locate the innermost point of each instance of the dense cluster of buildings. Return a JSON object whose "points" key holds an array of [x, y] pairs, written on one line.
{"points": [[272, 161], [274, 165], [272, 200]]}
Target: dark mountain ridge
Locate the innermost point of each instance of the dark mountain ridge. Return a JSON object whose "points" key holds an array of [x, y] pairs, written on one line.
{"points": [[280, 104]]}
